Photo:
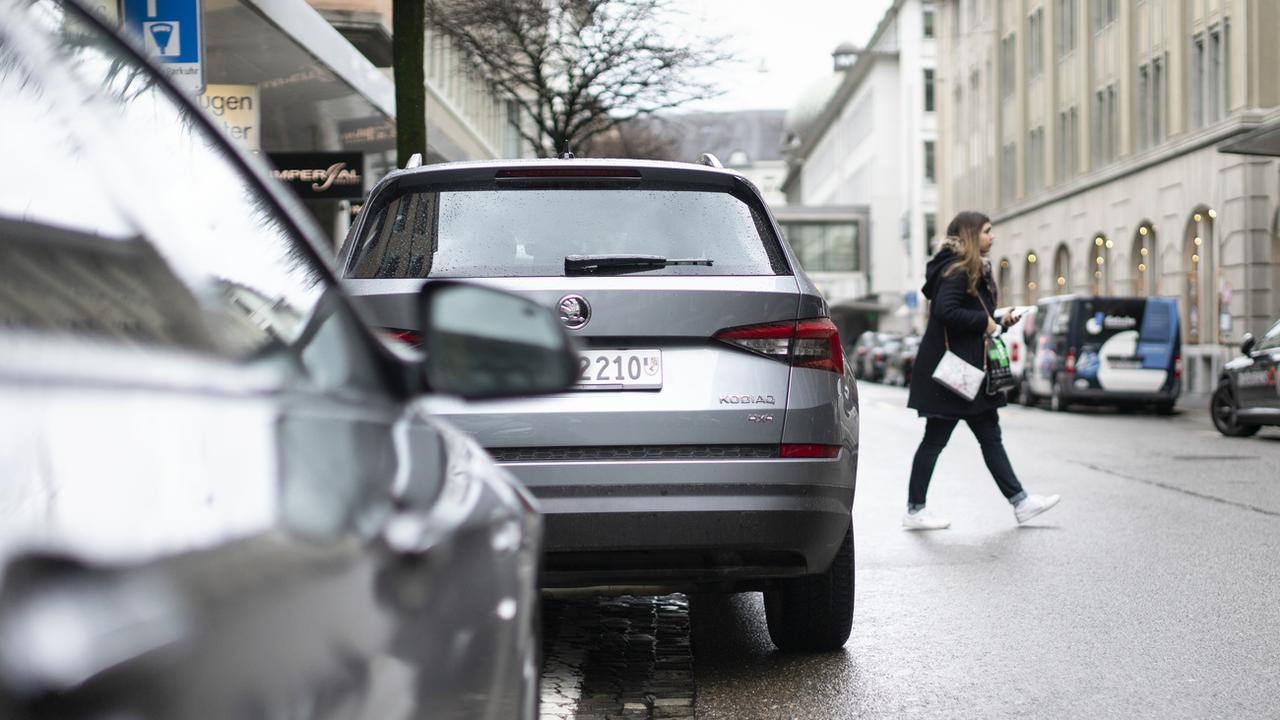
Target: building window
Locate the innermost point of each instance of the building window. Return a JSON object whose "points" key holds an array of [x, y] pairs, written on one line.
{"points": [[1009, 173], [1197, 82], [928, 90], [930, 231], [824, 246], [1065, 34], [1105, 12], [1034, 161], [1159, 101], [930, 162], [1142, 114], [1008, 65], [1035, 44], [1213, 78], [928, 19]]}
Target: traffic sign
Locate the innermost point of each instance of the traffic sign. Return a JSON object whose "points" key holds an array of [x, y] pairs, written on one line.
{"points": [[172, 32]]}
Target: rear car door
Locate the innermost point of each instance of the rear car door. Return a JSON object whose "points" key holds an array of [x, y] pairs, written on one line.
{"points": [[203, 439], [1257, 386], [672, 358]]}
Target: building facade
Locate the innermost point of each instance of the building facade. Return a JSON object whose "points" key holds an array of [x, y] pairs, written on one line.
{"points": [[1097, 134], [874, 144]]}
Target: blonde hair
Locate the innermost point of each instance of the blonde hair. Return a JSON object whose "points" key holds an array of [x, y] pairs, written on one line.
{"points": [[962, 239]]}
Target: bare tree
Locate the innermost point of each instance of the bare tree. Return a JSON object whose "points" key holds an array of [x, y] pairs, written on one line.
{"points": [[408, 46], [579, 68]]}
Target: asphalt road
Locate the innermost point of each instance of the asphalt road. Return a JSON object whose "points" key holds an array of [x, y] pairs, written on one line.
{"points": [[1151, 591]]}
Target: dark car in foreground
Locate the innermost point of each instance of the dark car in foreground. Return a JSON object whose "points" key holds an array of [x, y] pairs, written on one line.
{"points": [[221, 495], [1248, 394], [711, 441]]}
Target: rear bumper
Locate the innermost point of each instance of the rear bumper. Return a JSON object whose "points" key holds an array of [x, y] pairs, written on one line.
{"points": [[1102, 397], [690, 523]]}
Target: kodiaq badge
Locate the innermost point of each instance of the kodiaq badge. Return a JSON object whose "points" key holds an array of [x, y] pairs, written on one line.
{"points": [[574, 311]]}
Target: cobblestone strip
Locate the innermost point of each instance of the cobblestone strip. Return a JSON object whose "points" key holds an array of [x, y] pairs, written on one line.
{"points": [[564, 648], [639, 664]]}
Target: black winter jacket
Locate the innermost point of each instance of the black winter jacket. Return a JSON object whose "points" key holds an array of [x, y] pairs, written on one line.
{"points": [[965, 320]]}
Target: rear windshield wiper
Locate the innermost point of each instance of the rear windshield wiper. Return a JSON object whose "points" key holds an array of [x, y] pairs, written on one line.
{"points": [[588, 264]]}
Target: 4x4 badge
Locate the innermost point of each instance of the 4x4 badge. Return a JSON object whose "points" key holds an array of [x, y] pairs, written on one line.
{"points": [[575, 311]]}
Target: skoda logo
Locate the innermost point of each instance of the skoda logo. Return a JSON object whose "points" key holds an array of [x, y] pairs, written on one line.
{"points": [[574, 311]]}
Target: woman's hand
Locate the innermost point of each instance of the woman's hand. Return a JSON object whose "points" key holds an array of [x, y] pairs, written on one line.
{"points": [[1009, 319], [992, 327]]}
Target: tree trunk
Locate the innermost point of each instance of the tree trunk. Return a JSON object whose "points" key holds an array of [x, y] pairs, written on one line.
{"points": [[408, 41]]}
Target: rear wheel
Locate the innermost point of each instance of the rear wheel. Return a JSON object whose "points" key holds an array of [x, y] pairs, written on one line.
{"points": [[814, 613], [1025, 396], [1222, 407], [1058, 400]]}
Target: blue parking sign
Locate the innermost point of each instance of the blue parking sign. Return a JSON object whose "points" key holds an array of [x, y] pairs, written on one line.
{"points": [[172, 33]]}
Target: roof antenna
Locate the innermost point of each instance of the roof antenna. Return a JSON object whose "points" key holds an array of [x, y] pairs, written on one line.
{"points": [[415, 160], [566, 155], [710, 160]]}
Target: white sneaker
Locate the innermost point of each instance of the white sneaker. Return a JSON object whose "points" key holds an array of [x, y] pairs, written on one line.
{"points": [[1033, 505], [924, 520]]}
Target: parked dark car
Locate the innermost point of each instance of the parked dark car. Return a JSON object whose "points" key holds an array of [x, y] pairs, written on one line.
{"points": [[858, 352], [1248, 394], [711, 442], [898, 366], [871, 353], [1124, 351], [221, 497]]}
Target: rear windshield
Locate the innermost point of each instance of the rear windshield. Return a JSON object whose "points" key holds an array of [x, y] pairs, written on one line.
{"points": [[528, 232], [1104, 318]]}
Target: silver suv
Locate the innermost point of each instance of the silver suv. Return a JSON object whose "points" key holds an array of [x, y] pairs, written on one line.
{"points": [[711, 443]]}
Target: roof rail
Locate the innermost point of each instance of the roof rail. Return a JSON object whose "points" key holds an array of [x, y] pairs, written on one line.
{"points": [[710, 160], [415, 160]]}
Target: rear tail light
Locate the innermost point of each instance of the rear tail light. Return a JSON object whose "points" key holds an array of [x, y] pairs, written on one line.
{"points": [[1071, 361], [1177, 366], [813, 343], [809, 451], [407, 337]]}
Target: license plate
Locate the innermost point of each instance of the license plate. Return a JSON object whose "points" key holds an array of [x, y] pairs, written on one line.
{"points": [[620, 370]]}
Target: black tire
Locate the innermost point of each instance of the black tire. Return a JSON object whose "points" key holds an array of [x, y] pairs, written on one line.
{"points": [[1058, 400], [814, 613], [1222, 408], [1025, 396]]}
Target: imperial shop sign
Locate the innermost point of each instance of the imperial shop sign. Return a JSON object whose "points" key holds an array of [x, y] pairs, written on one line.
{"points": [[312, 176]]}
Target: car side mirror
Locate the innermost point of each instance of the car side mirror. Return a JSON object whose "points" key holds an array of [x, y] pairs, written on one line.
{"points": [[480, 343], [1246, 343]]}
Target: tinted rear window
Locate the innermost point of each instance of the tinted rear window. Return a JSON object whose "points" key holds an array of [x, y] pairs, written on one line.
{"points": [[527, 232]]}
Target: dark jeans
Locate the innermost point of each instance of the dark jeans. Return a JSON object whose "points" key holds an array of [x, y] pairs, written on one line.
{"points": [[937, 431]]}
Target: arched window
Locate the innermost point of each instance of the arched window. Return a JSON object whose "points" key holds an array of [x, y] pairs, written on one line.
{"points": [[1032, 279], [1197, 261], [1062, 269], [1099, 268], [1145, 279], [1003, 274]]}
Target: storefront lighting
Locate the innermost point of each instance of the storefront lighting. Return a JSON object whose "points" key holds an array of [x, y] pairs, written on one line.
{"points": [[1143, 252], [1061, 281], [1143, 231], [1197, 217], [1213, 214], [1031, 285], [1195, 258], [1097, 273], [1004, 264], [1197, 242], [1031, 257], [1110, 244], [1142, 267], [1100, 260]]}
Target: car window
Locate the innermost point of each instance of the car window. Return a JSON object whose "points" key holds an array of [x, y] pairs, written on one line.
{"points": [[522, 232], [1270, 339], [125, 220]]}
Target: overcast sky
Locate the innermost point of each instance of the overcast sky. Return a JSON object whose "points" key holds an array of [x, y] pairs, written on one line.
{"points": [[785, 45]]}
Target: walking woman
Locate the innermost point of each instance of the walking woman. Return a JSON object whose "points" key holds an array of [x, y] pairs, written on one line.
{"points": [[959, 285]]}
